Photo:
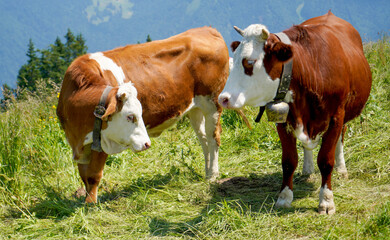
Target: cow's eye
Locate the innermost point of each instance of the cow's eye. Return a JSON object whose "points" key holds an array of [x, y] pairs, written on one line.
{"points": [[132, 118], [248, 66]]}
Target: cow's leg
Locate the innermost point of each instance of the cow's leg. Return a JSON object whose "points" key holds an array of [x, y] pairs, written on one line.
{"points": [[212, 113], [326, 159], [197, 120], [213, 131], [205, 120], [91, 174], [339, 156], [308, 164], [289, 164]]}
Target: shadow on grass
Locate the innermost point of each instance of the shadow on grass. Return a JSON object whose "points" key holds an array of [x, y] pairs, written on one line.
{"points": [[57, 205], [140, 184], [235, 197]]}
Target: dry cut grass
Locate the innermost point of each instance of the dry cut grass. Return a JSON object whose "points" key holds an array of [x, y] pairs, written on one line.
{"points": [[160, 193]]}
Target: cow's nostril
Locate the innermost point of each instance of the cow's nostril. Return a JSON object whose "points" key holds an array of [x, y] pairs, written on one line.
{"points": [[146, 146], [224, 101]]}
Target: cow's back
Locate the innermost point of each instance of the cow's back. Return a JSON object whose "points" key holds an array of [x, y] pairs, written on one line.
{"points": [[340, 69], [360, 77], [169, 73]]}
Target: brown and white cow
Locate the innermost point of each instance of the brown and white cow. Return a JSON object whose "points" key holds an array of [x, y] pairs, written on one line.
{"points": [[330, 84], [183, 74]]}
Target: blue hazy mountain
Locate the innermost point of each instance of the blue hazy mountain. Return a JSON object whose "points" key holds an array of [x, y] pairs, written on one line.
{"points": [[106, 24]]}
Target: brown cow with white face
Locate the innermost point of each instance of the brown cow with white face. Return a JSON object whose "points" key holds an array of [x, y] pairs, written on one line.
{"points": [[183, 74], [330, 84]]}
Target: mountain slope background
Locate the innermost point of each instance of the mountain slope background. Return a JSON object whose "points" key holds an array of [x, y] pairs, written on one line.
{"points": [[106, 24]]}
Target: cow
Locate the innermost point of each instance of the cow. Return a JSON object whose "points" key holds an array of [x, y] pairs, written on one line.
{"points": [[121, 123], [328, 85], [177, 76]]}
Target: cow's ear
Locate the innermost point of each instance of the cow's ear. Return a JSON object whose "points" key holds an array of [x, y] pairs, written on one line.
{"points": [[112, 106], [121, 97], [283, 51], [234, 45]]}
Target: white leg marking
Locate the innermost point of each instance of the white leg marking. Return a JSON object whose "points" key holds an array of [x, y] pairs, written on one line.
{"points": [[339, 157], [88, 139], [198, 124], [308, 164], [307, 142], [285, 198], [211, 123], [326, 205], [210, 113]]}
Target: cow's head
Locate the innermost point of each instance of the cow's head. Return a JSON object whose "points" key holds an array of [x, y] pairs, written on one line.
{"points": [[125, 126], [257, 66]]}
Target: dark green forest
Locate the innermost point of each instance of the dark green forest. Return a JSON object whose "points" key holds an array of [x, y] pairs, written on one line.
{"points": [[50, 63], [45, 65]]}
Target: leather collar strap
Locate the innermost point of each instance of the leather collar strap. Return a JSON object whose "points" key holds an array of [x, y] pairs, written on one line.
{"points": [[285, 80], [99, 112]]}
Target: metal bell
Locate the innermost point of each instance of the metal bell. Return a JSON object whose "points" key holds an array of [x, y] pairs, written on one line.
{"points": [[277, 111]]}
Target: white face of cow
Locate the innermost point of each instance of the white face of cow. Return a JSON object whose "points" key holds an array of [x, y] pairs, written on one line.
{"points": [[248, 82], [126, 129]]}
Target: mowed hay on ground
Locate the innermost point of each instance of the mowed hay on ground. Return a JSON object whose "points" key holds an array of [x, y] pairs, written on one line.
{"points": [[161, 192]]}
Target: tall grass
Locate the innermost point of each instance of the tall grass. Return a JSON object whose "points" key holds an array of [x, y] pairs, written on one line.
{"points": [[160, 193], [10, 151], [34, 151]]}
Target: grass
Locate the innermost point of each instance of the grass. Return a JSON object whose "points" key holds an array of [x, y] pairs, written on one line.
{"points": [[161, 192]]}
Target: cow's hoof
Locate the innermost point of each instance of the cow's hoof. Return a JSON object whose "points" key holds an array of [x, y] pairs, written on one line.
{"points": [[90, 200], [307, 173], [80, 192], [342, 172], [285, 198], [212, 178], [326, 209], [326, 205]]}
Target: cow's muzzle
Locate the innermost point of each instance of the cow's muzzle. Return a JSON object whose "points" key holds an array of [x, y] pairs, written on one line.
{"points": [[224, 99]]}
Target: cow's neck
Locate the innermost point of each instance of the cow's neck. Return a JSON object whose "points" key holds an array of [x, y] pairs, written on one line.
{"points": [[278, 106]]}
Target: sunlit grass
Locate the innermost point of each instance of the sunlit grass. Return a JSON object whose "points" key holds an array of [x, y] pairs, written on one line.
{"points": [[161, 192]]}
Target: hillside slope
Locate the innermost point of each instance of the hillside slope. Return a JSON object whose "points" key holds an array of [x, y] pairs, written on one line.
{"points": [[106, 24]]}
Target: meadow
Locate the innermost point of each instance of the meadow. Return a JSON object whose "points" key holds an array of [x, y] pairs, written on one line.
{"points": [[161, 192]]}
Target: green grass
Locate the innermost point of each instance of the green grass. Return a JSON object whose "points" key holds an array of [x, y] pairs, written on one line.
{"points": [[161, 192]]}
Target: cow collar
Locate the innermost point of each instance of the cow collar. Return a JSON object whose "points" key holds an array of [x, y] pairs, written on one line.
{"points": [[99, 111], [285, 79]]}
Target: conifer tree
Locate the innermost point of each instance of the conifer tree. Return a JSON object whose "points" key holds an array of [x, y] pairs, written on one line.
{"points": [[56, 63], [29, 72], [148, 39], [69, 44], [80, 48], [74, 46], [52, 62]]}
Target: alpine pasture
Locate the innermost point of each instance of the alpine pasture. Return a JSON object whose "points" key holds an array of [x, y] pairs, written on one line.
{"points": [[161, 192]]}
